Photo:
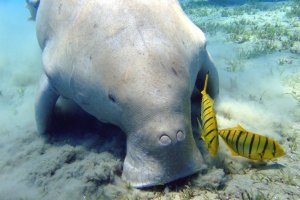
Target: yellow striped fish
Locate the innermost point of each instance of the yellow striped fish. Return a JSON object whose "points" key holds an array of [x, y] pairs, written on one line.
{"points": [[208, 127], [250, 145]]}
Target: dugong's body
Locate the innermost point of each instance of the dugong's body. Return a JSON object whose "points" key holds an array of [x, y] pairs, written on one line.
{"points": [[132, 63]]}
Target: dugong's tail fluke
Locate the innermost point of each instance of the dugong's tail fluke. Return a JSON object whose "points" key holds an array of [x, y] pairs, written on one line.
{"points": [[32, 6]]}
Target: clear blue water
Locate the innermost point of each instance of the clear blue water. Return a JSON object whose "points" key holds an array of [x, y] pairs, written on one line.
{"points": [[259, 88]]}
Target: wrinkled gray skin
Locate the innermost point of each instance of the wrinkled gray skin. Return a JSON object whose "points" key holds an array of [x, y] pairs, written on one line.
{"points": [[132, 63]]}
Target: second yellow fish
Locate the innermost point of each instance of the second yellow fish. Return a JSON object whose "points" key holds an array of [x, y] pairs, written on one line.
{"points": [[208, 127], [250, 145]]}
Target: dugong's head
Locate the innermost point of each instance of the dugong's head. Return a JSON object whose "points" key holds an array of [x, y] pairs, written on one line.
{"points": [[155, 113], [133, 64], [140, 76]]}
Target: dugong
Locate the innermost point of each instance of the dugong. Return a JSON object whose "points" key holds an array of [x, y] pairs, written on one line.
{"points": [[131, 63]]}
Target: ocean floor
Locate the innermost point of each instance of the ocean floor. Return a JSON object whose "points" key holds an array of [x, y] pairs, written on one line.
{"points": [[256, 48]]}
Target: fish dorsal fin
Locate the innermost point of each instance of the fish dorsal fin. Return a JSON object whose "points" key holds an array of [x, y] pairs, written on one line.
{"points": [[240, 128], [205, 84]]}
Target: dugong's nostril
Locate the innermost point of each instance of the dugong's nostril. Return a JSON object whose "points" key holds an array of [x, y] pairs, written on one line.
{"points": [[180, 135], [165, 140]]}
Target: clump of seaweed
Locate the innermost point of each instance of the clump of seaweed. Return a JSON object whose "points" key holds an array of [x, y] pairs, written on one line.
{"points": [[258, 50], [234, 65], [294, 12], [199, 11], [283, 61], [187, 193], [265, 31]]}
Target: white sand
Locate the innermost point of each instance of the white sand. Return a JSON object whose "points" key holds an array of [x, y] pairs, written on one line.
{"points": [[261, 95]]}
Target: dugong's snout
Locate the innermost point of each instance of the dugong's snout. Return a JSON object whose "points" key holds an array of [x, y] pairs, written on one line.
{"points": [[158, 155]]}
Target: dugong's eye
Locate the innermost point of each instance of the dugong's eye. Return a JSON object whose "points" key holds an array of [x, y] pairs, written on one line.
{"points": [[112, 98]]}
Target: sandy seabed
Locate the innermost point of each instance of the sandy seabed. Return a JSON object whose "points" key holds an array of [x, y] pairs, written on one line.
{"points": [[260, 92]]}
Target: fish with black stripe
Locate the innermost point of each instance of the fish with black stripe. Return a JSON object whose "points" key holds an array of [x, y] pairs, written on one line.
{"points": [[208, 127], [250, 145]]}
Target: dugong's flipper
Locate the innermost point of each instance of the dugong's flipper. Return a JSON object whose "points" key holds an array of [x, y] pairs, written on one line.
{"points": [[44, 105], [32, 6]]}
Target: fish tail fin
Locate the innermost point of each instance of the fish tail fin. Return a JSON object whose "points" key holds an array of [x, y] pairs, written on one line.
{"points": [[205, 84]]}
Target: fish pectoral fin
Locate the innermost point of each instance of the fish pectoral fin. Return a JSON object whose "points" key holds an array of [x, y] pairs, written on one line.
{"points": [[261, 155], [199, 125], [233, 153], [202, 138], [198, 90], [200, 129]]}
